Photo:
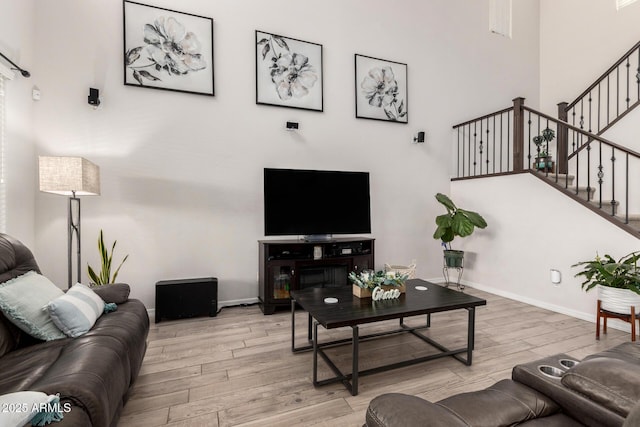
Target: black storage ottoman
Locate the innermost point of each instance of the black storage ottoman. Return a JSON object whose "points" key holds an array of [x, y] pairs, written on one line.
{"points": [[178, 299]]}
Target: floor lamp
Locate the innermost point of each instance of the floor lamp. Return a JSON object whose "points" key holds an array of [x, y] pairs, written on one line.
{"points": [[73, 177]]}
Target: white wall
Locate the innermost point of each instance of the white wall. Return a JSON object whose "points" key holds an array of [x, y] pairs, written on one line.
{"points": [[532, 229], [17, 43], [580, 40], [182, 174]]}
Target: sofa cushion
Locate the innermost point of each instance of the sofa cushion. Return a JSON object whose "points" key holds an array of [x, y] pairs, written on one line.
{"points": [[22, 367], [75, 312], [23, 301], [613, 383], [9, 335], [93, 373], [116, 293], [505, 403]]}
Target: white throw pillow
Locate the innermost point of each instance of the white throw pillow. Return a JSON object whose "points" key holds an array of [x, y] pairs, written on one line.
{"points": [[75, 312], [23, 301]]}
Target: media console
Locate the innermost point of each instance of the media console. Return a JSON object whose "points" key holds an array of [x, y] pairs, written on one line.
{"points": [[288, 265]]}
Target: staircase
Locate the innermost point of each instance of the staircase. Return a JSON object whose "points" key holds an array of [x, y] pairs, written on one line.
{"points": [[598, 173]]}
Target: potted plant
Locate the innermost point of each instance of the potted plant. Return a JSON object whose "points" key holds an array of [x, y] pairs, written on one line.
{"points": [[543, 159], [618, 282], [106, 259], [455, 223], [366, 281]]}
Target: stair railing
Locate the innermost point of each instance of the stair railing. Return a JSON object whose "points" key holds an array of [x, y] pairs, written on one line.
{"points": [[607, 100], [604, 174]]}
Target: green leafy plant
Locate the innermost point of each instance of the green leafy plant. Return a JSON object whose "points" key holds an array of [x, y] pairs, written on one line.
{"points": [[369, 279], [456, 222], [106, 259], [621, 274]]}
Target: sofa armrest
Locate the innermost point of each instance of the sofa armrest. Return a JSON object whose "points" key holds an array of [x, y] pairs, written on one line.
{"points": [[117, 293], [402, 410]]}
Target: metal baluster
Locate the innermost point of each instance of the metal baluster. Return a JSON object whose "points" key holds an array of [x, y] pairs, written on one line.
{"points": [[608, 100], [590, 105], [599, 108], [617, 91], [600, 173], [626, 196], [588, 171], [613, 180], [508, 140], [638, 76], [578, 164], [458, 163], [481, 145], [469, 151], [475, 146], [628, 85], [487, 139]]}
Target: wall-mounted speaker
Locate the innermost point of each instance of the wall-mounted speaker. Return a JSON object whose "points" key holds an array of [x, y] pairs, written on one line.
{"points": [[94, 97]]}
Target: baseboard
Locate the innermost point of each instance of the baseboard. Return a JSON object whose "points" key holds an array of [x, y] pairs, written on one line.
{"points": [[230, 303], [615, 324]]}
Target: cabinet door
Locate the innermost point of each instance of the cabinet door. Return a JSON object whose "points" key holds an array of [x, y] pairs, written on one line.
{"points": [[280, 277], [362, 262]]}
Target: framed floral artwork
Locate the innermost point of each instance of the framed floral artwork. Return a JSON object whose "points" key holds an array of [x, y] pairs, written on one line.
{"points": [[166, 49], [381, 89], [288, 72]]}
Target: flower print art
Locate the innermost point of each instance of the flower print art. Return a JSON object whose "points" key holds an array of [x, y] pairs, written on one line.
{"points": [[381, 89], [166, 49], [288, 72]]}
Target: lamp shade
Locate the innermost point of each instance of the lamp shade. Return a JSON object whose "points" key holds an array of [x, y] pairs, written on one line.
{"points": [[68, 176]]}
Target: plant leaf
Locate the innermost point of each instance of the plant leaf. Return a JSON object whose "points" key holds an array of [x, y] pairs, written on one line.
{"points": [[446, 201], [148, 75], [265, 50]]}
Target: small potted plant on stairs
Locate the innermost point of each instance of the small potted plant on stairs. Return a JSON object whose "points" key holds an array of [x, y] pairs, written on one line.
{"points": [[544, 161], [618, 282], [455, 223]]}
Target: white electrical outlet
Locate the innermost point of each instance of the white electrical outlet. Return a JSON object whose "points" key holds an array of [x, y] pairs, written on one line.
{"points": [[35, 94]]}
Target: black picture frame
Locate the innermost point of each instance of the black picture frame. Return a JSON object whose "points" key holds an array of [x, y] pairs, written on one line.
{"points": [[151, 63], [381, 89], [277, 58]]}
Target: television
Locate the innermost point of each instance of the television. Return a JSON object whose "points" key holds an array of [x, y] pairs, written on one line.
{"points": [[316, 203]]}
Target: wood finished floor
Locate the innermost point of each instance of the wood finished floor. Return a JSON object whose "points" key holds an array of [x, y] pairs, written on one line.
{"points": [[237, 369]]}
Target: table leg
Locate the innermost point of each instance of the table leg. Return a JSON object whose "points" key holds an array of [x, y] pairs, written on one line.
{"points": [[315, 353], [354, 368], [471, 334], [293, 325]]}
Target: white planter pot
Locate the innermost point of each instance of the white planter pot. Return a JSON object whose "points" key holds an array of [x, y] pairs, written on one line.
{"points": [[618, 300]]}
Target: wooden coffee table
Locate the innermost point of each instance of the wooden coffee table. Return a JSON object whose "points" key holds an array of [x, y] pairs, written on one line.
{"points": [[352, 311]]}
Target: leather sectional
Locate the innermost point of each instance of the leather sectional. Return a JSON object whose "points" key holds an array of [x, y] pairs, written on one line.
{"points": [[601, 390], [93, 372]]}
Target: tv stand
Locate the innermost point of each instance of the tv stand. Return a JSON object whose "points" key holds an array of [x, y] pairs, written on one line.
{"points": [[287, 265]]}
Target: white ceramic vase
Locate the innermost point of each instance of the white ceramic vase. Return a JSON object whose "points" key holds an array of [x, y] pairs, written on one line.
{"points": [[618, 300]]}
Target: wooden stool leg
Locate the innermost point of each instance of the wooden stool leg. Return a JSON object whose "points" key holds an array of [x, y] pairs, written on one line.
{"points": [[633, 323], [598, 321]]}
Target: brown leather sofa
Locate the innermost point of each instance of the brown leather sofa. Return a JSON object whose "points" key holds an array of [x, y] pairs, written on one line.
{"points": [[600, 391], [92, 373]]}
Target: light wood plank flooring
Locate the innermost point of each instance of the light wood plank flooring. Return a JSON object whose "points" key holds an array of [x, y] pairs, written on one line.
{"points": [[237, 369]]}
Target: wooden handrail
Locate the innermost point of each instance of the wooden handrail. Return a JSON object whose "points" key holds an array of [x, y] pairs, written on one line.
{"points": [[584, 132], [486, 116], [603, 76]]}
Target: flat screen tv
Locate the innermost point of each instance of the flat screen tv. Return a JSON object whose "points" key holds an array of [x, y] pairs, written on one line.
{"points": [[316, 204]]}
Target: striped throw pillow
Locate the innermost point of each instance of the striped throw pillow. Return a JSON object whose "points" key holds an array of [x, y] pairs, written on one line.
{"points": [[76, 312]]}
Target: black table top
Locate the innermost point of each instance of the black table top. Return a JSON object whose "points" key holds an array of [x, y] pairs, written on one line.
{"points": [[351, 310]]}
